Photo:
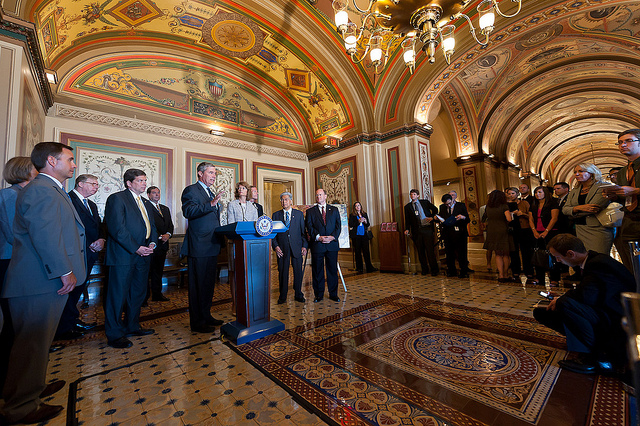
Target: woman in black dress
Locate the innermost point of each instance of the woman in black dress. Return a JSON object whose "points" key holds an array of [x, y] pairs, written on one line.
{"points": [[358, 226], [543, 217], [498, 238]]}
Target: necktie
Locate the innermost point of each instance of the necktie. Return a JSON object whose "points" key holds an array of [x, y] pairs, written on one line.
{"points": [[143, 211], [286, 218], [86, 204], [449, 210], [631, 180], [210, 193], [324, 216], [159, 210]]}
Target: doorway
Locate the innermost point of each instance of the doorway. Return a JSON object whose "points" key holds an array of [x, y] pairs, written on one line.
{"points": [[271, 194]]}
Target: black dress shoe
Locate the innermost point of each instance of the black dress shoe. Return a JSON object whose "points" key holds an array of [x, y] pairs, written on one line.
{"points": [[142, 332], [55, 348], [334, 298], [214, 322], [435, 274], [424, 272], [300, 299], [52, 388], [577, 366], [69, 335], [317, 299], [86, 325], [463, 276], [451, 274], [369, 270], [121, 343], [41, 414], [145, 304], [359, 272], [470, 271], [204, 329], [281, 301], [160, 298]]}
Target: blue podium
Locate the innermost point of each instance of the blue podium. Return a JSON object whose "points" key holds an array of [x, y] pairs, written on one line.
{"points": [[252, 274]]}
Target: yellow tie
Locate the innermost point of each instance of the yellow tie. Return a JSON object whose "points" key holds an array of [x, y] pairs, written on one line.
{"points": [[147, 224]]}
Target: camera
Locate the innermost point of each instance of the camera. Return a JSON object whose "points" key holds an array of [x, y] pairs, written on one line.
{"points": [[546, 295]]}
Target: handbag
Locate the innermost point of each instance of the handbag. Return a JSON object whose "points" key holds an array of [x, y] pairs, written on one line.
{"points": [[369, 234], [541, 259], [611, 216]]}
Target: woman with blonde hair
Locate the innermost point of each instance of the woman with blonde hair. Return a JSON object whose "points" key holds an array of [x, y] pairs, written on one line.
{"points": [[584, 202], [241, 209]]}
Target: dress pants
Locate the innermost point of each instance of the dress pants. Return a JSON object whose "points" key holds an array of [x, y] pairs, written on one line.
{"points": [[317, 268], [361, 248], [455, 247], [202, 278], [6, 327], [629, 231], [35, 319], [554, 272], [283, 273], [526, 249], [156, 270], [588, 330], [71, 314], [125, 293], [515, 264], [426, 250]]}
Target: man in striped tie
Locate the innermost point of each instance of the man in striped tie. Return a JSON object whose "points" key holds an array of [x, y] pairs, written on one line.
{"points": [[131, 239], [291, 247]]}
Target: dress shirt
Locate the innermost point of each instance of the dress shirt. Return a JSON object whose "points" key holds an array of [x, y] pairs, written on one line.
{"points": [[417, 203], [321, 206]]}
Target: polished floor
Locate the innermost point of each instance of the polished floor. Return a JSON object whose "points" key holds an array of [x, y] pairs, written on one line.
{"points": [[176, 377]]}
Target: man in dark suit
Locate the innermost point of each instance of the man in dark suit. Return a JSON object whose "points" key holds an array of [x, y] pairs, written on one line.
{"points": [[291, 247], [70, 326], [418, 223], [589, 315], [48, 261], [164, 227], [202, 246], [253, 192], [132, 238], [324, 227], [525, 193], [455, 218]]}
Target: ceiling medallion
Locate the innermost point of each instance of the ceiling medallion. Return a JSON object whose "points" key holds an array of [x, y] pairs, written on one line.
{"points": [[233, 35], [413, 22]]}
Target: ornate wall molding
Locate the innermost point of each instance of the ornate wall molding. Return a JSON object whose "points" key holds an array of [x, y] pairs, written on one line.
{"points": [[82, 114]]}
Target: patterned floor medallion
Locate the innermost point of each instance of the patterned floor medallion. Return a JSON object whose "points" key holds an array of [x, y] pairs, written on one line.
{"points": [[511, 375], [380, 363]]}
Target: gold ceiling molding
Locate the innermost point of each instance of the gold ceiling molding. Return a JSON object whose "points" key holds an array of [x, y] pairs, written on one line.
{"points": [[82, 114], [233, 35]]}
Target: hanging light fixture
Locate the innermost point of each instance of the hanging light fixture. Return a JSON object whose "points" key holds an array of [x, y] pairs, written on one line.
{"points": [[414, 23]]}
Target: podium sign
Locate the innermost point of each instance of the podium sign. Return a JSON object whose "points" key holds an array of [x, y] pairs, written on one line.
{"points": [[252, 276]]}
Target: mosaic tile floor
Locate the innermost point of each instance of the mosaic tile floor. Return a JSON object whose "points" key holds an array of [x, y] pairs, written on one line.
{"points": [[176, 377]]}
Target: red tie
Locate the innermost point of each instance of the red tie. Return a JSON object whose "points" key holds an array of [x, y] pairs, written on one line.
{"points": [[324, 216]]}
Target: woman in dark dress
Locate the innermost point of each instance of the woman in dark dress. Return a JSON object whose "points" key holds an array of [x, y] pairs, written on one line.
{"points": [[514, 227], [498, 238], [358, 225], [543, 217]]}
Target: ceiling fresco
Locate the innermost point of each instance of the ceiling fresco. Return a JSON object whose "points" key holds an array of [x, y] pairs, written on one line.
{"points": [[224, 30], [184, 89]]}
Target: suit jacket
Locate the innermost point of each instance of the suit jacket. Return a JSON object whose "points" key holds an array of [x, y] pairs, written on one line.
{"points": [[8, 197], [126, 228], [260, 209], [234, 212], [163, 223], [458, 208], [564, 223], [594, 196], [315, 226], [603, 279], [200, 238], [49, 241], [354, 223], [92, 224], [412, 222], [295, 237]]}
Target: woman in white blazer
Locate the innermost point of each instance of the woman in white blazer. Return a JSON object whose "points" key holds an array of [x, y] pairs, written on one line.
{"points": [[241, 209], [583, 204]]}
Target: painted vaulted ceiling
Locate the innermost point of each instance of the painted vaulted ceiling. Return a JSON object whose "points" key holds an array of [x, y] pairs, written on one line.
{"points": [[560, 77]]}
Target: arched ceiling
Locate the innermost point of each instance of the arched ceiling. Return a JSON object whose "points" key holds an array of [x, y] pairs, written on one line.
{"points": [[275, 72]]}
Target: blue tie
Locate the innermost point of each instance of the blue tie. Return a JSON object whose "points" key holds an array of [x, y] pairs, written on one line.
{"points": [[210, 193], [286, 218], [86, 204]]}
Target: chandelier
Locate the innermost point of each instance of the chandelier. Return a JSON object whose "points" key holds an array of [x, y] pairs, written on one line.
{"points": [[416, 23]]}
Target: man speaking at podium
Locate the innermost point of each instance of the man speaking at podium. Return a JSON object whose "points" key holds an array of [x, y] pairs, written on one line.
{"points": [[323, 226], [290, 247]]}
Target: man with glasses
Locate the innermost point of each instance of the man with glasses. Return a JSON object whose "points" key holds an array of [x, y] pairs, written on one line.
{"points": [[627, 192], [71, 326]]}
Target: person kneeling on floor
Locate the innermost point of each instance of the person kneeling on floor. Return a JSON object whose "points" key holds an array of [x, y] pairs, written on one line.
{"points": [[589, 315]]}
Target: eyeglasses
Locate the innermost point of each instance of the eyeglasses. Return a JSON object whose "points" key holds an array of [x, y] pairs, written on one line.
{"points": [[627, 142]]}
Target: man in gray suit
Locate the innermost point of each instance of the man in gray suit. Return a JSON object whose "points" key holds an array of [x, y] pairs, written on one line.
{"points": [[48, 260], [291, 247]]}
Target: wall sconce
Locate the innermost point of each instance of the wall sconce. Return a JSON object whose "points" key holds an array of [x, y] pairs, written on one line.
{"points": [[216, 132]]}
